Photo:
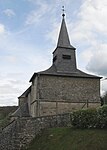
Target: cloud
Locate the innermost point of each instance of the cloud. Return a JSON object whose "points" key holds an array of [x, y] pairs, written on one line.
{"points": [[90, 21], [53, 34], [103, 86], [98, 61], [9, 59], [2, 29], [93, 12], [86, 55], [36, 15], [9, 13], [11, 86], [89, 31]]}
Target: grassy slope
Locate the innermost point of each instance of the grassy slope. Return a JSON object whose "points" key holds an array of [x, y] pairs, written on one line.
{"points": [[4, 114], [71, 139]]}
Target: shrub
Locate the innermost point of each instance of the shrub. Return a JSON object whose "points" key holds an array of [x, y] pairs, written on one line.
{"points": [[102, 117], [84, 118], [90, 118]]}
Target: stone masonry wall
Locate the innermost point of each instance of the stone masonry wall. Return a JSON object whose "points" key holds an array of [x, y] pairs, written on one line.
{"points": [[59, 94], [69, 89], [53, 108], [23, 130]]}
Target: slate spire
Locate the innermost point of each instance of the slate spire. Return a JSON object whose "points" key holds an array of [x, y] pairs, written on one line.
{"points": [[63, 40]]}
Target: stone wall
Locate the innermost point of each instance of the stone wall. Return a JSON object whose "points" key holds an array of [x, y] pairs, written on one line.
{"points": [[58, 94], [69, 89], [23, 130], [53, 108]]}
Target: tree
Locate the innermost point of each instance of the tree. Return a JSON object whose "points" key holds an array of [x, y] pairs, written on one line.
{"points": [[104, 98]]}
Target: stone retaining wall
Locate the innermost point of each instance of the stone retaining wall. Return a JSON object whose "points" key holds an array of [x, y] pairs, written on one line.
{"points": [[23, 130]]}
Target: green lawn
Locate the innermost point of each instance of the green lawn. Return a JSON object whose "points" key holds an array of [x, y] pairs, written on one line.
{"points": [[71, 139]]}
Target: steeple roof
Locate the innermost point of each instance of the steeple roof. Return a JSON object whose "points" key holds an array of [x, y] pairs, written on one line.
{"points": [[64, 59], [63, 40]]}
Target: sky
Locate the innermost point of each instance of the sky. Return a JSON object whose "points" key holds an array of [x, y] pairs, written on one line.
{"points": [[29, 32]]}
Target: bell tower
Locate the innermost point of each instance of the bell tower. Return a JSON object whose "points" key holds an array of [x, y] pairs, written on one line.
{"points": [[64, 57]]}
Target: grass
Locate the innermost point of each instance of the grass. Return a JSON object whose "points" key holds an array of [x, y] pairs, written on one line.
{"points": [[70, 139], [62, 138]]}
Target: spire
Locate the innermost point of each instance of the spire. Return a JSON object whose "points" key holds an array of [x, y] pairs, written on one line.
{"points": [[63, 40]]}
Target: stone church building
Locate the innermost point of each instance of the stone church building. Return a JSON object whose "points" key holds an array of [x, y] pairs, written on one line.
{"points": [[61, 88]]}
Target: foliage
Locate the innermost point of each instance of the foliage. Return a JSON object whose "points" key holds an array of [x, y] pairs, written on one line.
{"points": [[4, 115], [70, 139], [6, 110], [85, 118], [104, 98], [102, 117], [90, 118]]}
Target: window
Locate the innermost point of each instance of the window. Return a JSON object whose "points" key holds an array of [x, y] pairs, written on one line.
{"points": [[66, 56], [54, 59]]}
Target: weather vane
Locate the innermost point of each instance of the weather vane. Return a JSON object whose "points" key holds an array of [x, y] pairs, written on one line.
{"points": [[63, 11]]}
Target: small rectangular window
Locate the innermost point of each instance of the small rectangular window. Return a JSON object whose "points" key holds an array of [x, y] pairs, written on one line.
{"points": [[66, 56], [54, 59]]}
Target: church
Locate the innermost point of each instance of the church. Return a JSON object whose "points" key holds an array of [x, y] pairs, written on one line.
{"points": [[63, 87]]}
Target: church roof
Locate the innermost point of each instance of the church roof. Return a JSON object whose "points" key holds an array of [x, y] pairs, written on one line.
{"points": [[25, 94], [53, 72], [22, 111], [63, 40]]}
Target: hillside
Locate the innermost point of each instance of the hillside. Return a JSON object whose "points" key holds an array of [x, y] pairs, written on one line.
{"points": [[4, 114], [71, 139], [62, 138]]}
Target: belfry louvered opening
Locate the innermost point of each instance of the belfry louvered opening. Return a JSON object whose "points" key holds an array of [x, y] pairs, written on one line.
{"points": [[66, 56]]}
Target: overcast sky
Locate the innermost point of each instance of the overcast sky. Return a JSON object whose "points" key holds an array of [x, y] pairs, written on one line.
{"points": [[28, 35]]}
